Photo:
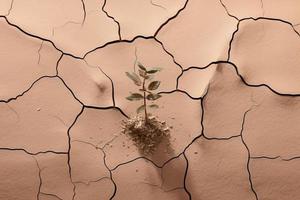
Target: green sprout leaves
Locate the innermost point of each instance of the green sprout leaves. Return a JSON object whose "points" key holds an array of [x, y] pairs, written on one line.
{"points": [[153, 106], [141, 79], [142, 67], [154, 70], [150, 71], [135, 97], [153, 85], [135, 78], [140, 109]]}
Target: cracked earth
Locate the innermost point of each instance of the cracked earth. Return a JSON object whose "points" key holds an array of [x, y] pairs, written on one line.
{"points": [[230, 87]]}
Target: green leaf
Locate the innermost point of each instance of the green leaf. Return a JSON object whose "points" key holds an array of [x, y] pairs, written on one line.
{"points": [[135, 78], [152, 71], [153, 106], [142, 67], [135, 97], [153, 85], [153, 97], [130, 99], [140, 109]]}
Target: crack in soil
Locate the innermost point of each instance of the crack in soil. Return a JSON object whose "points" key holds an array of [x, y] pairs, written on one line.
{"points": [[84, 12], [69, 148], [275, 157], [242, 78], [31, 153], [157, 5], [65, 24], [249, 158], [39, 51], [171, 18], [262, 7], [10, 8], [40, 179], [111, 17]]}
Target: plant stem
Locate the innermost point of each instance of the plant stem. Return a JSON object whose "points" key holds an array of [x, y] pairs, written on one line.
{"points": [[145, 101]]}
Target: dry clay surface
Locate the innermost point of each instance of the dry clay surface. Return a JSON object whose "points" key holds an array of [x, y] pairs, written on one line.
{"points": [[230, 90]]}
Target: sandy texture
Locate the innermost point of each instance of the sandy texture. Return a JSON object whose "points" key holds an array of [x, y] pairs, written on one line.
{"points": [[97, 87], [149, 180], [54, 176], [254, 40], [225, 104], [229, 85], [205, 43], [32, 59], [228, 175], [264, 179], [19, 176], [74, 27], [54, 109], [133, 14]]}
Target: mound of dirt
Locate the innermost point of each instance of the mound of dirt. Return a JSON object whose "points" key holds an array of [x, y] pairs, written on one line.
{"points": [[146, 136]]}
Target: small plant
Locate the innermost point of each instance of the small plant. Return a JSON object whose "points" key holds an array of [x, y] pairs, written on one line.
{"points": [[147, 91], [147, 132]]}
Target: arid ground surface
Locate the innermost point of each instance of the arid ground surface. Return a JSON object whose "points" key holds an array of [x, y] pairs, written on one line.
{"points": [[230, 87]]}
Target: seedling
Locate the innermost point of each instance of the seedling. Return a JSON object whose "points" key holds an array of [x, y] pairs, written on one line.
{"points": [[147, 131], [146, 90]]}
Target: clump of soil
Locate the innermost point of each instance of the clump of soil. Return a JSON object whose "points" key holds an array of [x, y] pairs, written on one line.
{"points": [[146, 136]]}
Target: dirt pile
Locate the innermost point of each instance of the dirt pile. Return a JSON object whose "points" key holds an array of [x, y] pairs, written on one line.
{"points": [[146, 135]]}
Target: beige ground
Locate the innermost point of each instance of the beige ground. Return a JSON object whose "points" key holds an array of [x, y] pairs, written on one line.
{"points": [[230, 87]]}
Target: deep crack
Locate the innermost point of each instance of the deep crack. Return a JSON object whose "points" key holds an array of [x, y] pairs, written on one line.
{"points": [[249, 156], [111, 17], [69, 149]]}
